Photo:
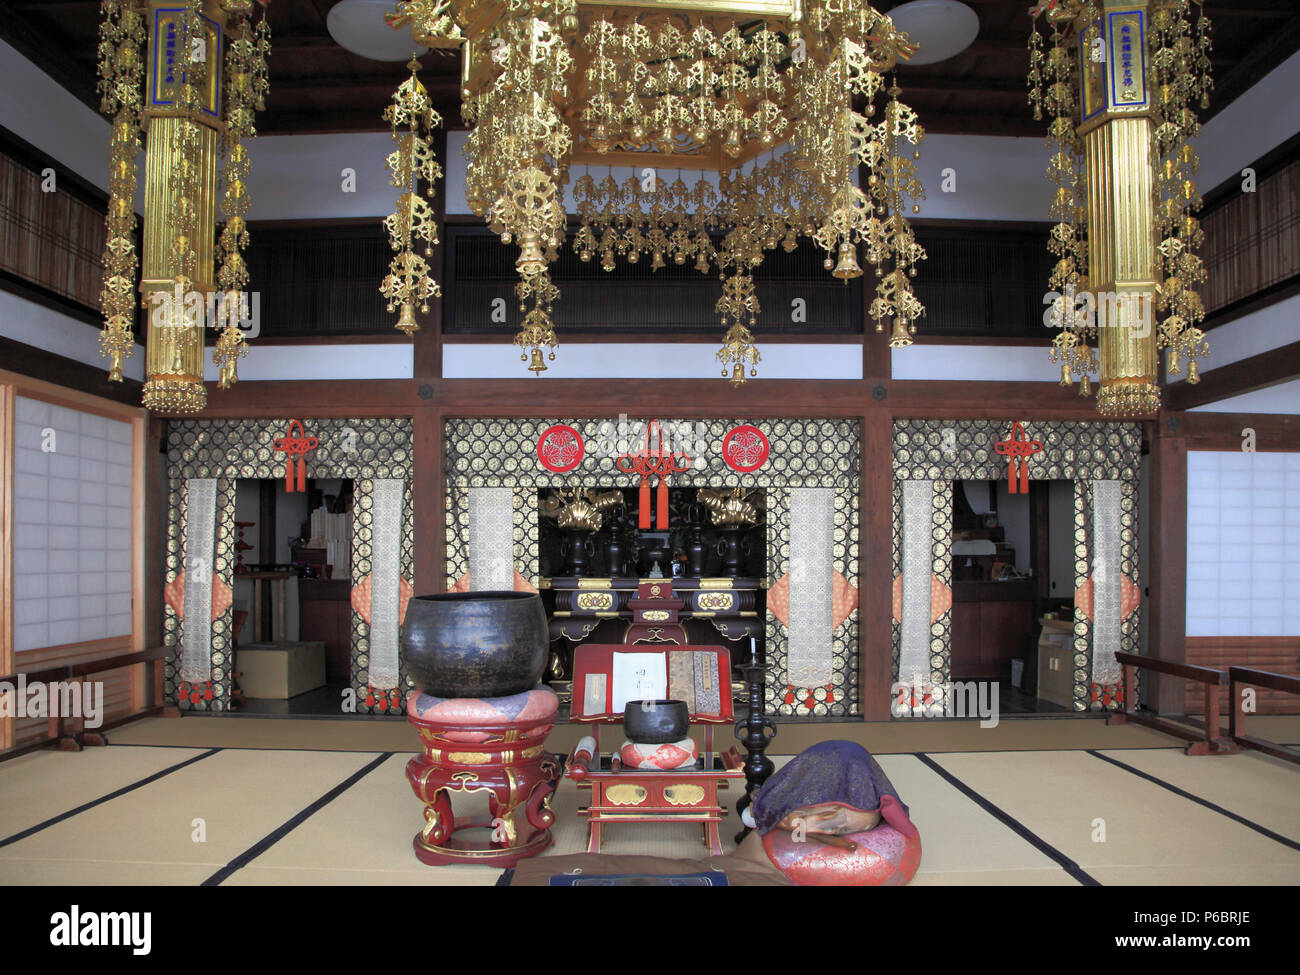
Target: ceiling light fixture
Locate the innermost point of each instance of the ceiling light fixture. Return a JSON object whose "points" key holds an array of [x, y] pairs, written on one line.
{"points": [[358, 26], [942, 29]]}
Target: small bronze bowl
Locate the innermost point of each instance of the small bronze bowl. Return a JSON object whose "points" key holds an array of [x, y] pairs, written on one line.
{"points": [[656, 722]]}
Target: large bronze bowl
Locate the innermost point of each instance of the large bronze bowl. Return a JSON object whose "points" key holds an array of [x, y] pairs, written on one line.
{"points": [[475, 644]]}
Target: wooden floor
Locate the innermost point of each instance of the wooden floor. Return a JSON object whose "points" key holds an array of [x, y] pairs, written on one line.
{"points": [[1090, 804]]}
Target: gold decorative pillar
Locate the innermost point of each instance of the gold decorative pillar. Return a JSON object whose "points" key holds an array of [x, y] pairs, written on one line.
{"points": [[182, 113], [1116, 131]]}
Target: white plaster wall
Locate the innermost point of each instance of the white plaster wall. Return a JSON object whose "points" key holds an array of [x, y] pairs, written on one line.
{"points": [[268, 362], [32, 324], [630, 359], [1260, 331], [1282, 398], [40, 111], [299, 177], [1266, 115], [986, 362]]}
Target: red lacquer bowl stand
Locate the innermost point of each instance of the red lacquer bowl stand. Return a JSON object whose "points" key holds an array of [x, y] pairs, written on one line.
{"points": [[505, 760]]}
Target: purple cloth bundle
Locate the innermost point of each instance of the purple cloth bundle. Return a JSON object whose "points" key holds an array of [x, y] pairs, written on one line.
{"points": [[841, 772]]}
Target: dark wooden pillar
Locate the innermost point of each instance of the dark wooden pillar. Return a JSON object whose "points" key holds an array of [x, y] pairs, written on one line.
{"points": [[1167, 622], [428, 491], [428, 340], [155, 528], [266, 550], [875, 565]]}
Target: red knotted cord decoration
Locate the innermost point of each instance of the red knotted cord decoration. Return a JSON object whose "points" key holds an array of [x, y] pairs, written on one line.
{"points": [[295, 466], [653, 462], [1018, 449]]}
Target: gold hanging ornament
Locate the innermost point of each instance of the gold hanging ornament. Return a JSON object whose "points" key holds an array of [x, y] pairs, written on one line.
{"points": [[121, 70], [172, 95], [548, 84], [246, 88], [1119, 81], [412, 163]]}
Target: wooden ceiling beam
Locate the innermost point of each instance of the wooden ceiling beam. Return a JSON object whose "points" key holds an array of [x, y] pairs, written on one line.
{"points": [[1245, 376]]}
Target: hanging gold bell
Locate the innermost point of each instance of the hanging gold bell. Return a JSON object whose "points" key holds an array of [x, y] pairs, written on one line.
{"points": [[531, 260], [1085, 386], [1065, 375], [847, 267], [898, 338], [1193, 373], [538, 365], [406, 320]]}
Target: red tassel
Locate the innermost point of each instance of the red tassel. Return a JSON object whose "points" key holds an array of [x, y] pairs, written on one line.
{"points": [[207, 691], [288, 474], [370, 696], [789, 694], [830, 694], [302, 474], [661, 515], [643, 504]]}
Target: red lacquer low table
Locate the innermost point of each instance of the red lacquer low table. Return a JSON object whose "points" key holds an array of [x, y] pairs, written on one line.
{"points": [[701, 675], [494, 746]]}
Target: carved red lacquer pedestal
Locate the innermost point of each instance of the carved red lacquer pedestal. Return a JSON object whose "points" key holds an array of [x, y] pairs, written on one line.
{"points": [[504, 759]]}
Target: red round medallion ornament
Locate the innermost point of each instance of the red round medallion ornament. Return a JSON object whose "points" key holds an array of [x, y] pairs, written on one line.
{"points": [[745, 449], [560, 449]]}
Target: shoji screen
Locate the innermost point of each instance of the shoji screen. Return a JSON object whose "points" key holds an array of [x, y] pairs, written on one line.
{"points": [[72, 526], [1243, 544]]}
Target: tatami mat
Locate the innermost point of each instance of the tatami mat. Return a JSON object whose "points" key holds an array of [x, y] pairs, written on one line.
{"points": [[40, 785], [240, 797], [1066, 798], [960, 842], [1262, 789], [267, 823]]}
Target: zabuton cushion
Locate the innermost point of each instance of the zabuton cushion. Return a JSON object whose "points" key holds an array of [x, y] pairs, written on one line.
{"points": [[666, 757]]}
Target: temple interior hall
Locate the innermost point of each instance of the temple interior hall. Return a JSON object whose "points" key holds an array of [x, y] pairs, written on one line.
{"points": [[650, 443]]}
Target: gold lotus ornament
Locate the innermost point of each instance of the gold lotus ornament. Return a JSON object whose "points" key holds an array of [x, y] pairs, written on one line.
{"points": [[729, 509], [580, 511]]}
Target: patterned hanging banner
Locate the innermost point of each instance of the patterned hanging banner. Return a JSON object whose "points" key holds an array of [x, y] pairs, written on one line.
{"points": [[812, 568], [918, 568], [1107, 581], [196, 625], [491, 539], [385, 579]]}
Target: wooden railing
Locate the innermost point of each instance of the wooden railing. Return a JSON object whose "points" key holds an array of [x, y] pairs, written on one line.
{"points": [[1210, 741], [1247, 676], [69, 733]]}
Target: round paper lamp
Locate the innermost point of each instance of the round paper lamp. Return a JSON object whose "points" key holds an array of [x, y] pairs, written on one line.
{"points": [[943, 28], [358, 26]]}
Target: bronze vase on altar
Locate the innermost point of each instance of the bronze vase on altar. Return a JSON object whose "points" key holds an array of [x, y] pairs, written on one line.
{"points": [[577, 547], [732, 548]]}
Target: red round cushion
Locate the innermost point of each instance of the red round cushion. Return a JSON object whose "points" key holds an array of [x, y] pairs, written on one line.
{"points": [[537, 707], [885, 857], [673, 755]]}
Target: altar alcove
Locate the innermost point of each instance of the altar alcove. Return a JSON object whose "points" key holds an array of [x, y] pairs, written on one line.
{"points": [[495, 480], [1101, 462]]}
